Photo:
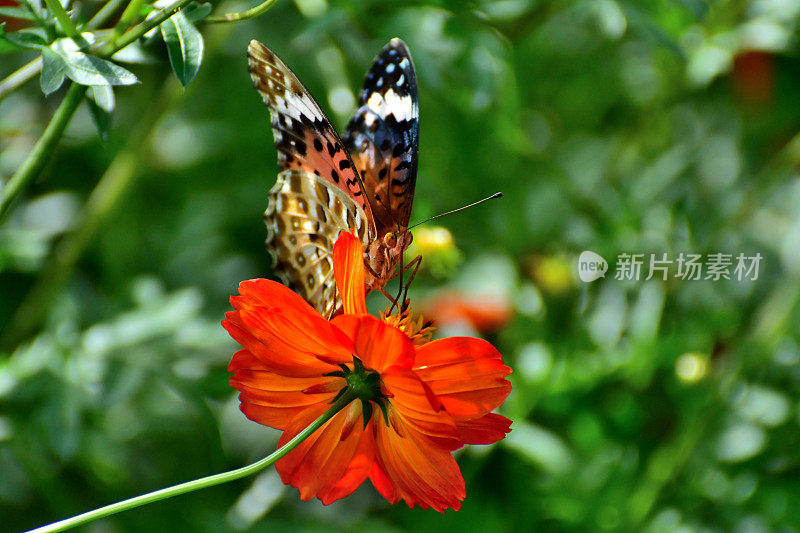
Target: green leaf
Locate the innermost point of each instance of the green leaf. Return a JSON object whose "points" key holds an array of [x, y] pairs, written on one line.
{"points": [[90, 70], [100, 115], [6, 46], [16, 12], [30, 38], [184, 45], [54, 69], [103, 95], [195, 12]]}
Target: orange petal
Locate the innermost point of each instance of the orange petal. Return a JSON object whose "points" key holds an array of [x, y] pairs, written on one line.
{"points": [[319, 466], [356, 472], [274, 352], [413, 402], [309, 333], [484, 430], [380, 480], [271, 294], [378, 345], [421, 472], [466, 374], [348, 269], [272, 399], [270, 309]]}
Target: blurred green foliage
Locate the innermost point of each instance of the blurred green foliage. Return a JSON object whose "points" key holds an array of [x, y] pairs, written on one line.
{"points": [[610, 125]]}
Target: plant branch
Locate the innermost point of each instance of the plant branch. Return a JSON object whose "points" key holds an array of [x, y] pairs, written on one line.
{"points": [[29, 70], [140, 29], [62, 17], [20, 76], [43, 148], [201, 483], [110, 189], [244, 15], [129, 16]]}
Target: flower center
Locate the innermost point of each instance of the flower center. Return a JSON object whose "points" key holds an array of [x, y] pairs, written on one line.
{"points": [[365, 385]]}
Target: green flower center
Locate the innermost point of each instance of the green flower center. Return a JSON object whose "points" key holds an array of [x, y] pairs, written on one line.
{"points": [[365, 385]]}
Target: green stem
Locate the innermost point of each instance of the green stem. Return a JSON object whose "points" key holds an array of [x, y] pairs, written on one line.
{"points": [[20, 76], [43, 148], [104, 13], [244, 15], [129, 16], [140, 29], [41, 152], [62, 17], [30, 69], [201, 483], [110, 189]]}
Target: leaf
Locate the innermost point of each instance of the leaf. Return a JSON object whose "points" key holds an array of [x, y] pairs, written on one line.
{"points": [[30, 38], [103, 95], [54, 70], [195, 12], [90, 70], [100, 116], [16, 12], [6, 46], [184, 45]]}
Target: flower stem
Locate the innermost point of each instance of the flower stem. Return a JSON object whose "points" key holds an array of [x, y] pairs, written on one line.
{"points": [[43, 148], [201, 483], [243, 15]]}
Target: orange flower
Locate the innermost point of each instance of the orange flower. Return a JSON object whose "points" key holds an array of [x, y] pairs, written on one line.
{"points": [[417, 404]]}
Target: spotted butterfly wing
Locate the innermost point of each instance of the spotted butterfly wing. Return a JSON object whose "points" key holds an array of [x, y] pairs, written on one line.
{"points": [[383, 137], [318, 192]]}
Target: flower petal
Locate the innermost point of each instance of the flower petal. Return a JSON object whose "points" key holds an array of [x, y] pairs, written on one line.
{"points": [[484, 430], [356, 472], [307, 332], [413, 402], [378, 345], [421, 472], [466, 374], [278, 354], [348, 269], [272, 399], [320, 465]]}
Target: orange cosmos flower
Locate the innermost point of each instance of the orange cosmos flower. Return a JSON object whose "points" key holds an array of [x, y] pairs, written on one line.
{"points": [[418, 401]]}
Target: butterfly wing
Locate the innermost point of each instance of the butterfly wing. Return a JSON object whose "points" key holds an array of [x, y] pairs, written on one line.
{"points": [[318, 193], [303, 134], [383, 136], [304, 217]]}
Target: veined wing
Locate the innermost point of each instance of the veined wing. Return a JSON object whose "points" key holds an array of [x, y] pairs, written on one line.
{"points": [[304, 217], [383, 136], [303, 134]]}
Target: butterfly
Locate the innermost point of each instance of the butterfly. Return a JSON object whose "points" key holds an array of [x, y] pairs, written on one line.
{"points": [[362, 182]]}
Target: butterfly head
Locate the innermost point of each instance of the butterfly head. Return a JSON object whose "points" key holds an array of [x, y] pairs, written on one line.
{"points": [[395, 243]]}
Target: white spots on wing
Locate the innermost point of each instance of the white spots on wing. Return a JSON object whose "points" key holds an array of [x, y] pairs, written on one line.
{"points": [[379, 83], [390, 102], [400, 80], [298, 106], [404, 63], [390, 68]]}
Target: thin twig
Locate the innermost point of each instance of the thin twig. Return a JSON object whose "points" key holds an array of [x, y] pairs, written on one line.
{"points": [[43, 148], [62, 17], [243, 15]]}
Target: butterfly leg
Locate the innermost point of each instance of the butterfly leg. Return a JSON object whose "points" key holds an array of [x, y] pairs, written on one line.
{"points": [[415, 263], [390, 297]]}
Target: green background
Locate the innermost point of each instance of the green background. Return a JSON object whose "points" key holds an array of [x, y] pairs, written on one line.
{"points": [[614, 126]]}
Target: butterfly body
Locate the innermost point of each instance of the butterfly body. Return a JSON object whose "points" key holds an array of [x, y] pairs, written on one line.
{"points": [[362, 182]]}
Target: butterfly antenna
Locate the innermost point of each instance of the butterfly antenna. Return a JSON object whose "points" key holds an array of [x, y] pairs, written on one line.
{"points": [[492, 197]]}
